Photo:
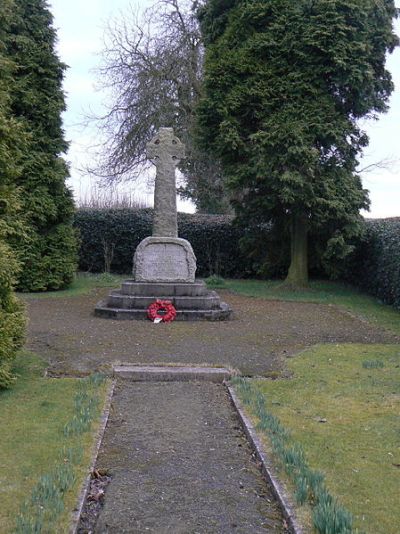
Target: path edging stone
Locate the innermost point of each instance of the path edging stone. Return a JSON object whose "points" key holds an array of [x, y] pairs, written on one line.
{"points": [[76, 515], [279, 492]]}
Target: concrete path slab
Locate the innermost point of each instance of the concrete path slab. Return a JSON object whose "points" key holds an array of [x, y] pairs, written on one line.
{"points": [[165, 373], [180, 464]]}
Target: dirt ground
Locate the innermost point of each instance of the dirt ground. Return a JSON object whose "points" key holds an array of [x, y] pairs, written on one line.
{"points": [[259, 338], [180, 464]]}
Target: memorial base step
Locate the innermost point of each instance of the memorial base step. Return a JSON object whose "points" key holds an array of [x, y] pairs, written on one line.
{"points": [[158, 289], [193, 301], [208, 301], [222, 313]]}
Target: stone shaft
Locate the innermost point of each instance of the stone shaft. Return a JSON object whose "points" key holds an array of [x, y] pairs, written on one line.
{"points": [[165, 223], [165, 150]]}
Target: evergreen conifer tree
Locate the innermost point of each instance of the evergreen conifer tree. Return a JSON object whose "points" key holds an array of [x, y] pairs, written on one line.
{"points": [[286, 83], [12, 319], [48, 254]]}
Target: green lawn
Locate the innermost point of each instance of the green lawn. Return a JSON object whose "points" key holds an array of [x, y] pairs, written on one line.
{"points": [[34, 444], [323, 292], [342, 406]]}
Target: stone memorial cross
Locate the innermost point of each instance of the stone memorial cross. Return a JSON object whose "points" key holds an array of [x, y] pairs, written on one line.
{"points": [[164, 264], [165, 150]]}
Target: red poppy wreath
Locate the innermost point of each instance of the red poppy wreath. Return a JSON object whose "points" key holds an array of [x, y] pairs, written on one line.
{"points": [[161, 310]]}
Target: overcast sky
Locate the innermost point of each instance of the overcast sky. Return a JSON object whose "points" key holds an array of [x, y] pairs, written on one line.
{"points": [[80, 27]]}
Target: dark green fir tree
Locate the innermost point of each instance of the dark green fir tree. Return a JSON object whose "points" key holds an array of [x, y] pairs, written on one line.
{"points": [[286, 83], [48, 254], [12, 319]]}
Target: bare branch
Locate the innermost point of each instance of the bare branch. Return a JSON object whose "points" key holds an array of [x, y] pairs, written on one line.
{"points": [[383, 164], [152, 72]]}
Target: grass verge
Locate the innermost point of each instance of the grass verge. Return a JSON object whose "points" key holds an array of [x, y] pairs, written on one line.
{"points": [[335, 430], [83, 283], [47, 437], [323, 292]]}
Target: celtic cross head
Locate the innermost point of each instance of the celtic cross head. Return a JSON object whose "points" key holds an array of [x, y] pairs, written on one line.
{"points": [[165, 147]]}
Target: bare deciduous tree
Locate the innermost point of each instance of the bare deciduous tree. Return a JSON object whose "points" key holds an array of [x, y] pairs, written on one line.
{"points": [[152, 69]]}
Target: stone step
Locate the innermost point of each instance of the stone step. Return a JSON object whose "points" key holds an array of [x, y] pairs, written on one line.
{"points": [[222, 313], [206, 302], [158, 289], [158, 373]]}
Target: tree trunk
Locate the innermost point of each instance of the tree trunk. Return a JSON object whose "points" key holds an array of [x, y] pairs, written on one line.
{"points": [[298, 270]]}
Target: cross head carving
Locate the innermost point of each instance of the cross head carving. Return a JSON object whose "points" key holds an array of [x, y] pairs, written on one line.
{"points": [[165, 147]]}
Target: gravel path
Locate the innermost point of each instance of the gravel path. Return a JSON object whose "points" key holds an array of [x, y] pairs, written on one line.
{"points": [[257, 341], [180, 464]]}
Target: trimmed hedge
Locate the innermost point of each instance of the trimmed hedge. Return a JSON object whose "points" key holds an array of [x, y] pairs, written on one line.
{"points": [[48, 259], [376, 263], [12, 316], [109, 238]]}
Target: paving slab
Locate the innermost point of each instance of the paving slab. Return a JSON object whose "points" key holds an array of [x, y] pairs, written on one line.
{"points": [[180, 464]]}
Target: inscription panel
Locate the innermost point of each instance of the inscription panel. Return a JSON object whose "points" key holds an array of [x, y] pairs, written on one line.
{"points": [[164, 260], [167, 261]]}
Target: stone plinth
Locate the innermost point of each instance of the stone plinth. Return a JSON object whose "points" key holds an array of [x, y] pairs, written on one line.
{"points": [[193, 301], [164, 259]]}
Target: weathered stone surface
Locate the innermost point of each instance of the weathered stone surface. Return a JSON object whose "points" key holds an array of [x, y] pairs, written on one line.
{"points": [[165, 150], [179, 289], [164, 259], [204, 302]]}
